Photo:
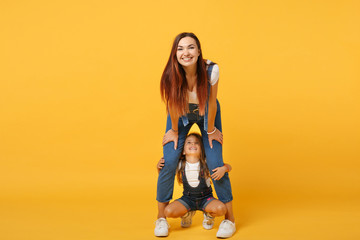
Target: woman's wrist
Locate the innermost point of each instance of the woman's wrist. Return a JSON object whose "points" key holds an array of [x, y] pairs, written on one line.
{"points": [[174, 130], [227, 167], [212, 132]]}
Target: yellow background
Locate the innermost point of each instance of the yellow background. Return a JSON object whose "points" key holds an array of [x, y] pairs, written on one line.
{"points": [[81, 120]]}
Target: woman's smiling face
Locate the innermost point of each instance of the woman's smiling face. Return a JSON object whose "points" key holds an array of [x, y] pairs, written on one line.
{"points": [[187, 51]]}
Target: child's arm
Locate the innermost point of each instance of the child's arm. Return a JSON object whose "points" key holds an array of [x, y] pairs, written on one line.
{"points": [[220, 171], [160, 164]]}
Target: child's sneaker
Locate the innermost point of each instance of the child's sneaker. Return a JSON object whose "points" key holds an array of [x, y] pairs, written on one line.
{"points": [[161, 228], [186, 220], [226, 229], [208, 221]]}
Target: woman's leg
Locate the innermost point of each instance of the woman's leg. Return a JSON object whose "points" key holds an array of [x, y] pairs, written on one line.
{"points": [[175, 210], [214, 159], [229, 213], [161, 209], [165, 184], [216, 208]]}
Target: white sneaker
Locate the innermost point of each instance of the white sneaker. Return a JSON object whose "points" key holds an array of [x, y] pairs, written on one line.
{"points": [[226, 229], [161, 228], [208, 222], [186, 220]]}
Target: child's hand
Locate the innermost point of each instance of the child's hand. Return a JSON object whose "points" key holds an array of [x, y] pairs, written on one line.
{"points": [[218, 173], [160, 164]]}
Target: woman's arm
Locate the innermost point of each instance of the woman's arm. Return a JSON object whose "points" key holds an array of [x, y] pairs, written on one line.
{"points": [[212, 106], [228, 166], [174, 119], [215, 134], [172, 134]]}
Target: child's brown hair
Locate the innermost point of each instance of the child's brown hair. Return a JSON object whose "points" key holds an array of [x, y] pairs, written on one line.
{"points": [[182, 160]]}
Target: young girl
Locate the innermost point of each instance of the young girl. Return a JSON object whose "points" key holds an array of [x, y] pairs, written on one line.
{"points": [[193, 173]]}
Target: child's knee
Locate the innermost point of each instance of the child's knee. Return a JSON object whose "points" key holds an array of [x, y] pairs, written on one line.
{"points": [[170, 212], [220, 209]]}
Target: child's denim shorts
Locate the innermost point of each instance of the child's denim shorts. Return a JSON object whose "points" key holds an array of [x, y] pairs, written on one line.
{"points": [[196, 203]]}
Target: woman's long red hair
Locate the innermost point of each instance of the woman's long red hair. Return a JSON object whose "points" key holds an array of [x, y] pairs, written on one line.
{"points": [[173, 85]]}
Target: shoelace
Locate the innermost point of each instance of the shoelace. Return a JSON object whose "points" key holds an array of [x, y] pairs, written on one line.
{"points": [[208, 218], [226, 224], [189, 215], [162, 223], [186, 215]]}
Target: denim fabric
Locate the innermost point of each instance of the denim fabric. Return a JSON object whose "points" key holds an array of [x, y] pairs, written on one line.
{"points": [[196, 198], [185, 118], [165, 184], [201, 190], [193, 204]]}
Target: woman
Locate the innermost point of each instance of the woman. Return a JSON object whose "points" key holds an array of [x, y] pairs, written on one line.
{"points": [[189, 88]]}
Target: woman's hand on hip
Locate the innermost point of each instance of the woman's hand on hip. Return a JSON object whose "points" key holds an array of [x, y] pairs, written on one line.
{"points": [[215, 135], [171, 136]]}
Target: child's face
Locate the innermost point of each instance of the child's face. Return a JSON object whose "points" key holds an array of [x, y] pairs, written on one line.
{"points": [[192, 146]]}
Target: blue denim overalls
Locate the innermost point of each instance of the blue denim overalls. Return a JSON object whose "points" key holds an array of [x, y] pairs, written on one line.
{"points": [[196, 198]]}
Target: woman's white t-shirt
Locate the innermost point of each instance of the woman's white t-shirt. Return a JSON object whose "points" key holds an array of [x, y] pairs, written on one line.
{"points": [[214, 77]]}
